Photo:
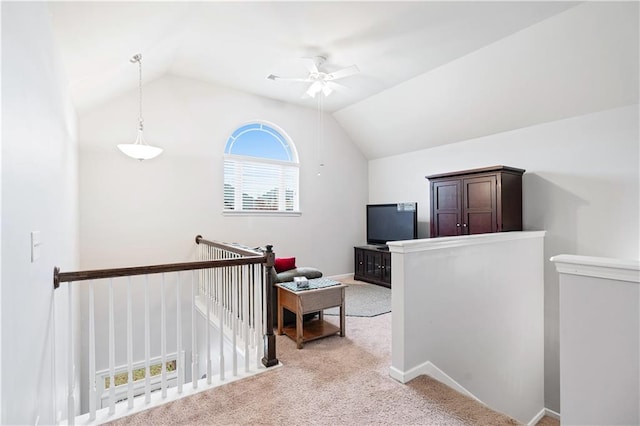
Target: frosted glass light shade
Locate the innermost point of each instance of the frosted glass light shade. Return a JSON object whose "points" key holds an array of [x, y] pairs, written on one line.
{"points": [[139, 151], [317, 87], [314, 89]]}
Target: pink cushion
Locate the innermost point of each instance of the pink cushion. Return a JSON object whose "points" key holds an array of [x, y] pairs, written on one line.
{"points": [[284, 264]]}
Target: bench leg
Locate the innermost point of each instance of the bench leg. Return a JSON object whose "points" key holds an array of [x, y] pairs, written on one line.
{"points": [[299, 322], [280, 314], [342, 315]]}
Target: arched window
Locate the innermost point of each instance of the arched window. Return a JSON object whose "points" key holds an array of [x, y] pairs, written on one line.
{"points": [[260, 170]]}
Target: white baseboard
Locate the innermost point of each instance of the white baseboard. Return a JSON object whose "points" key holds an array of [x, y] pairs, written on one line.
{"points": [[541, 414], [537, 417], [406, 376], [397, 375], [431, 370], [552, 414]]}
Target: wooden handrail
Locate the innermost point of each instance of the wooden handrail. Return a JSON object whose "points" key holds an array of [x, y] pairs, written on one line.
{"points": [[59, 277], [228, 247], [249, 257]]}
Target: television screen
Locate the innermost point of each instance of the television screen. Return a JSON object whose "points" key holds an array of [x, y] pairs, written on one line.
{"points": [[391, 222]]}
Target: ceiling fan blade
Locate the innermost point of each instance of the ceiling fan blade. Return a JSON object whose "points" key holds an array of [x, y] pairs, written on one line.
{"points": [[335, 86], [345, 72], [275, 77], [326, 90]]}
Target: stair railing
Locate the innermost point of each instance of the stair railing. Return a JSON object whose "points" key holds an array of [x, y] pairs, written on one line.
{"points": [[230, 292]]}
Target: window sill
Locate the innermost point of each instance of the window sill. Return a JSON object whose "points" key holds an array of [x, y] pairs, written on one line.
{"points": [[260, 213]]}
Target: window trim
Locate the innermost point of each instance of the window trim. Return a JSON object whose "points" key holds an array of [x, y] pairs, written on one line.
{"points": [[248, 158], [261, 213], [283, 138]]}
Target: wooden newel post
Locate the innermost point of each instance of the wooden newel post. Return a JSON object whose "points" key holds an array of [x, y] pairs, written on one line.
{"points": [[56, 277], [269, 358]]}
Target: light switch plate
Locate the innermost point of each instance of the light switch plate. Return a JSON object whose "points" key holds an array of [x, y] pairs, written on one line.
{"points": [[35, 245]]}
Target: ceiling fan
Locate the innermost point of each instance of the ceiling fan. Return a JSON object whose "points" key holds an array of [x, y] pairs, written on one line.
{"points": [[321, 81]]}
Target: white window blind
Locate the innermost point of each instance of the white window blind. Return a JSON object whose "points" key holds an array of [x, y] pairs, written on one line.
{"points": [[260, 170], [260, 185]]}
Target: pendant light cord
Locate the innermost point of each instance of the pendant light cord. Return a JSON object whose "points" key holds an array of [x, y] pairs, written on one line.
{"points": [[139, 60], [320, 132]]}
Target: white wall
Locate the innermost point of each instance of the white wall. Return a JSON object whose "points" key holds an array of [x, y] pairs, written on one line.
{"points": [[581, 185], [134, 213], [599, 340], [476, 326], [39, 193], [137, 212]]}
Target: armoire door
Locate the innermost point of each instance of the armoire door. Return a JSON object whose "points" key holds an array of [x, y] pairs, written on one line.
{"points": [[446, 208], [479, 205]]}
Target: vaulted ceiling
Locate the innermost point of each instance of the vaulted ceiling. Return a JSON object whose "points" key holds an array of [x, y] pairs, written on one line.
{"points": [[431, 72]]}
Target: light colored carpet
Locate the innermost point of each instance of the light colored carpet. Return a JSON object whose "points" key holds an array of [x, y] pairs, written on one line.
{"points": [[336, 381], [364, 300], [548, 421]]}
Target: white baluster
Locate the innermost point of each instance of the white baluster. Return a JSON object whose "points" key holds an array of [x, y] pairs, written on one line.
{"points": [[71, 404], [245, 313], [258, 322], [92, 353], [147, 343], [194, 334], [221, 327], [209, 278], [217, 290], [201, 272], [208, 337], [129, 345], [179, 351], [223, 274], [229, 289], [112, 352], [222, 294], [234, 319], [163, 338]]}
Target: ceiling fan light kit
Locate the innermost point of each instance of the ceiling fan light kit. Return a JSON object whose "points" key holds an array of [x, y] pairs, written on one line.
{"points": [[321, 81], [139, 150]]}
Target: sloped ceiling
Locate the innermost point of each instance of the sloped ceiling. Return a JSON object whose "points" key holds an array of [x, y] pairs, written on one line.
{"points": [[431, 72], [583, 60]]}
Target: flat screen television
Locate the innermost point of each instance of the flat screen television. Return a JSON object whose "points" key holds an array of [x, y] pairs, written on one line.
{"points": [[391, 222]]}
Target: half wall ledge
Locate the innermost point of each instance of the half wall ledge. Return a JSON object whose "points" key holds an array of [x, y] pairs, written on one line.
{"points": [[599, 340], [598, 267]]}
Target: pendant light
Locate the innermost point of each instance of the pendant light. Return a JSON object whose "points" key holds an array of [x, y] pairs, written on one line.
{"points": [[139, 150]]}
